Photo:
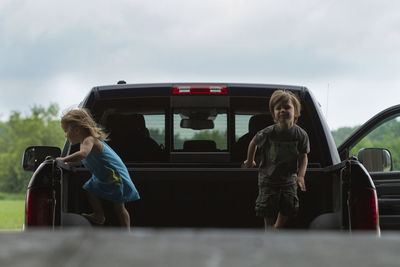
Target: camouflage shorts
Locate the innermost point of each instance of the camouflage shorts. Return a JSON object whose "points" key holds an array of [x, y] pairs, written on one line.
{"points": [[274, 199]]}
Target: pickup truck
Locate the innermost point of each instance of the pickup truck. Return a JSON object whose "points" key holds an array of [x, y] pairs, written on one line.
{"points": [[183, 144]]}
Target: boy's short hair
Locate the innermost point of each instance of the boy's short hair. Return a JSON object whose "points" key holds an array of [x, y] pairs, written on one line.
{"points": [[282, 96]]}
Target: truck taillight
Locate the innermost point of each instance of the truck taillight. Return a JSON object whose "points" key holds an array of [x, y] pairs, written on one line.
{"points": [[364, 209], [199, 90], [39, 207]]}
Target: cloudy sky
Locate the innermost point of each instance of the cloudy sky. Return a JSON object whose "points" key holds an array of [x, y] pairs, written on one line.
{"points": [[347, 52]]}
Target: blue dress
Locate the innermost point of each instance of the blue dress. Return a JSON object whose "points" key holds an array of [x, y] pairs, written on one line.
{"points": [[110, 178]]}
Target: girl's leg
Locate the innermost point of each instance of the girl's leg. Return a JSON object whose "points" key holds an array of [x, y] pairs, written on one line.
{"points": [[98, 212], [280, 221], [122, 215]]}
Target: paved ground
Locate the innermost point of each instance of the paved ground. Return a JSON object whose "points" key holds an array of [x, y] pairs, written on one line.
{"points": [[145, 247]]}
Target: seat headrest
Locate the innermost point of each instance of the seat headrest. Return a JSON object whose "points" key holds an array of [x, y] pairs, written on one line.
{"points": [[127, 121], [199, 145], [259, 122]]}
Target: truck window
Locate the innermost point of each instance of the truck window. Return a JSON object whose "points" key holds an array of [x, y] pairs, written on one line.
{"points": [[155, 123], [137, 135], [137, 127], [251, 114], [246, 126], [200, 129], [383, 136], [241, 125]]}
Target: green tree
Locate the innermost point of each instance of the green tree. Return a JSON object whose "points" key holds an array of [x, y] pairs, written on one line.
{"points": [[40, 127], [215, 135], [384, 136], [342, 133]]}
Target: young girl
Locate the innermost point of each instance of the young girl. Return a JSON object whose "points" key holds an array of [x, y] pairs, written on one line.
{"points": [[284, 147], [110, 178]]}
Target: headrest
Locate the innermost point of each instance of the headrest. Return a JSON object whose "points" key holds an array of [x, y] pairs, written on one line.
{"points": [[259, 122], [127, 121], [199, 145]]}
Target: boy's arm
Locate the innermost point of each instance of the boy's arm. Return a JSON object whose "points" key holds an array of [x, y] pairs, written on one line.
{"points": [[251, 152], [84, 151], [303, 161]]}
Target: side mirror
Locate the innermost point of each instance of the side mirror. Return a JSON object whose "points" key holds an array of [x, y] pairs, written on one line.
{"points": [[376, 159], [35, 155]]}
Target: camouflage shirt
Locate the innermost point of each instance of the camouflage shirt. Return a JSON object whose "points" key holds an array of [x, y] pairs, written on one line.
{"points": [[279, 154]]}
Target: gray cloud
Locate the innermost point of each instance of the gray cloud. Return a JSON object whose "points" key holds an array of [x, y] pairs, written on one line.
{"points": [[57, 50]]}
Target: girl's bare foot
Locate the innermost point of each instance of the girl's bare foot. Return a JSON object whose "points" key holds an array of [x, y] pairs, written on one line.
{"points": [[94, 218]]}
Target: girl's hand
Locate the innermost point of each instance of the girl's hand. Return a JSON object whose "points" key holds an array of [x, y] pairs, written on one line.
{"points": [[62, 160], [248, 164], [301, 183]]}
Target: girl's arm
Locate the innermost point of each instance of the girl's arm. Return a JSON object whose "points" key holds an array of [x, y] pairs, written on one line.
{"points": [[303, 161], [85, 148], [251, 152]]}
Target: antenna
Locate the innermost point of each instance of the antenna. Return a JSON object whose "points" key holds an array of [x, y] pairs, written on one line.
{"points": [[327, 102]]}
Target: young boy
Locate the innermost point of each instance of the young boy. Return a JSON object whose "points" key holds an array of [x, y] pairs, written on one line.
{"points": [[284, 147]]}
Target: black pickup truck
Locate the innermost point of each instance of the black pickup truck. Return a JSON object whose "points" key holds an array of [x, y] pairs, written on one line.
{"points": [[184, 143]]}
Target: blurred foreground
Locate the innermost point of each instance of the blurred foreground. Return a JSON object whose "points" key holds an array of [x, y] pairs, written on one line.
{"points": [[175, 248]]}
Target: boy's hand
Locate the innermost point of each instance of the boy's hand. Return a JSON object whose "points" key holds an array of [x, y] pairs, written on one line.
{"points": [[301, 183], [248, 164]]}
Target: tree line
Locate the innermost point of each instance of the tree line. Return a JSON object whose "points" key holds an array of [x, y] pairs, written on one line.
{"points": [[41, 126], [385, 136]]}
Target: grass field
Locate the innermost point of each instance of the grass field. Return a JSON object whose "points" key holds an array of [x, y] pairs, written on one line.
{"points": [[11, 212]]}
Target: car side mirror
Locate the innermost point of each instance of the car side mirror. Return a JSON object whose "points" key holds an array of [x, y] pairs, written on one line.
{"points": [[35, 155], [376, 159]]}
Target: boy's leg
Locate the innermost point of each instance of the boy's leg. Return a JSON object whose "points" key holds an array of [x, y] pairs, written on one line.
{"points": [[288, 205], [267, 205], [122, 215], [280, 221], [268, 223]]}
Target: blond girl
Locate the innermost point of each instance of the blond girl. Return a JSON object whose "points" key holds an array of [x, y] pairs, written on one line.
{"points": [[110, 178]]}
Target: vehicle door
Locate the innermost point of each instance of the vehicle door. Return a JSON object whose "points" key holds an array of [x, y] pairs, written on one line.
{"points": [[377, 146]]}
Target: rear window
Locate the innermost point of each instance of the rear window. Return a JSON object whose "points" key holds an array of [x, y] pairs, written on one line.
{"points": [[189, 129], [200, 130]]}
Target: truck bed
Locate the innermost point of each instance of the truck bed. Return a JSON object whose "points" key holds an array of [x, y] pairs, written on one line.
{"points": [[204, 197]]}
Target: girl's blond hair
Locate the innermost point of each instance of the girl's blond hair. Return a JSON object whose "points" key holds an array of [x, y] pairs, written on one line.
{"points": [[82, 118], [282, 96]]}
